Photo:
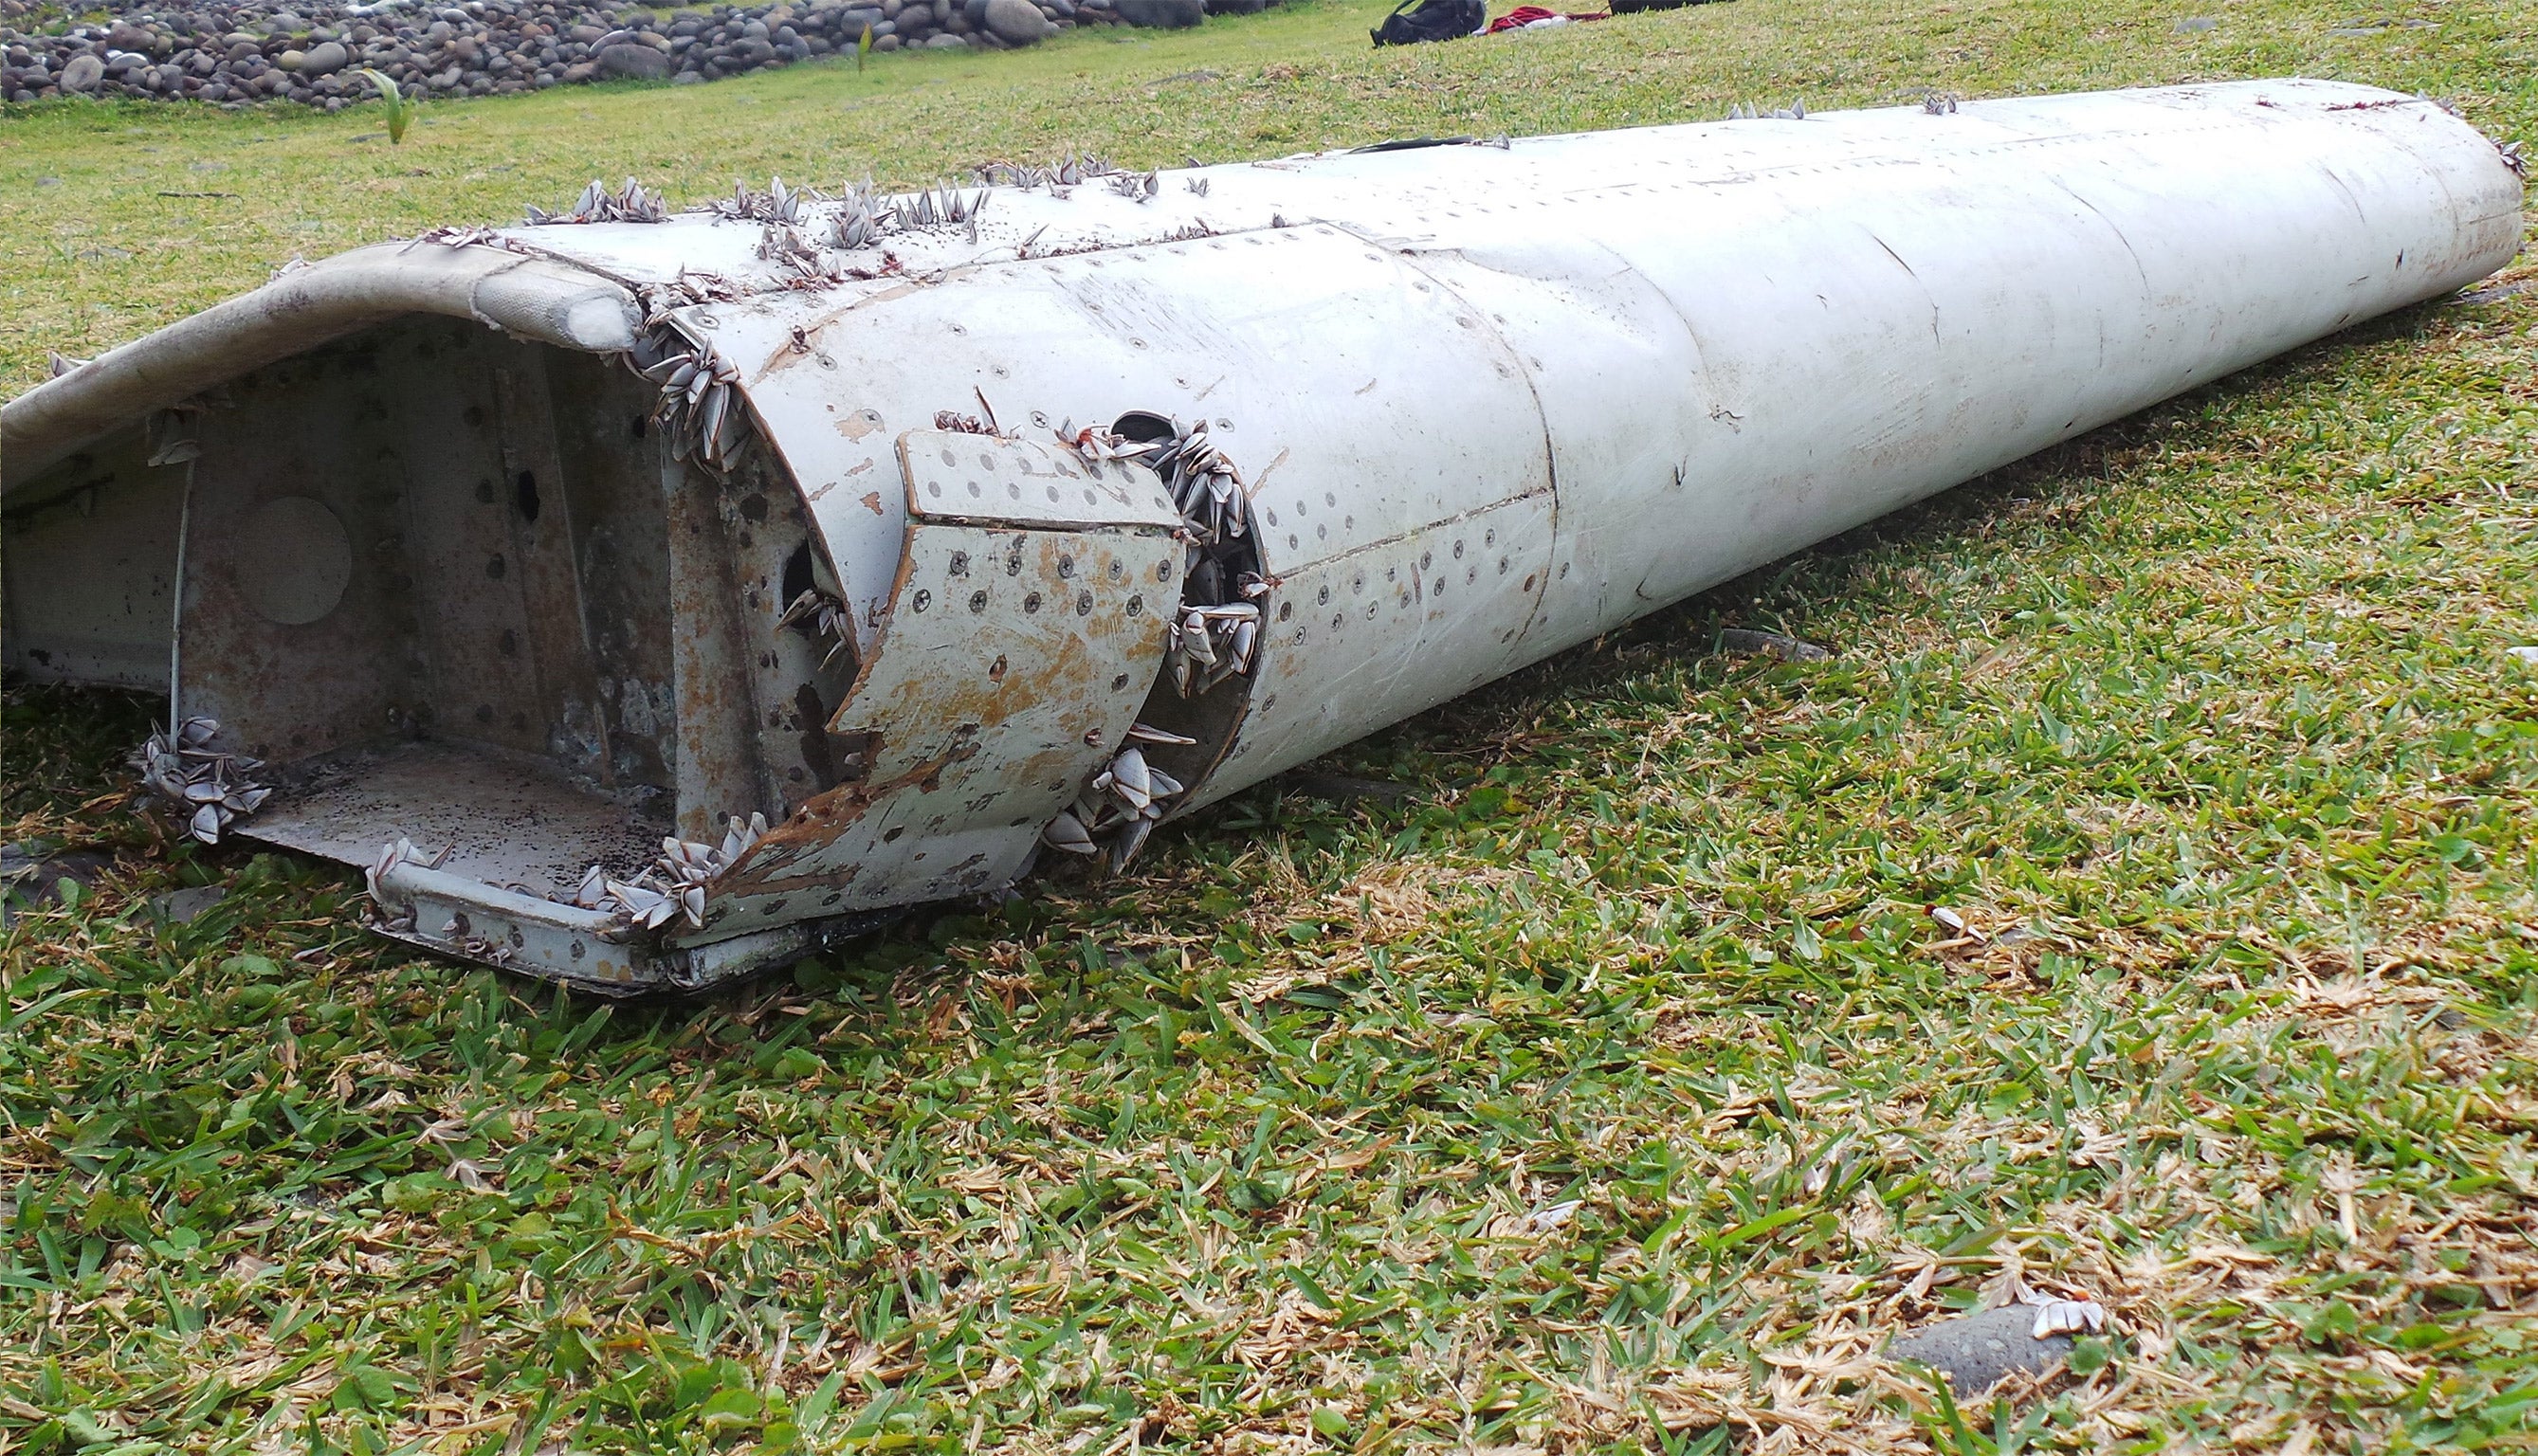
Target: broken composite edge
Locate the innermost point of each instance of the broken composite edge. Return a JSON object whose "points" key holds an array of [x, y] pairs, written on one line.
{"points": [[642, 598]]}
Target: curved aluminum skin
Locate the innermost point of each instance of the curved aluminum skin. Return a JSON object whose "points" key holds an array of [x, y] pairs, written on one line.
{"points": [[944, 532]]}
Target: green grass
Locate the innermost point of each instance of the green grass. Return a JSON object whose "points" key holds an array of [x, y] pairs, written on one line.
{"points": [[1621, 1094]]}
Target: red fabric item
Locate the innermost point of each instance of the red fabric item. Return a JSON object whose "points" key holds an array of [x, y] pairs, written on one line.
{"points": [[1525, 15]]}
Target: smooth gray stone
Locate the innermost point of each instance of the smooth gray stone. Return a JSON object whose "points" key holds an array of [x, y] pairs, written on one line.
{"points": [[1163, 14], [82, 75], [636, 62], [1978, 1350], [180, 907], [1014, 22]]}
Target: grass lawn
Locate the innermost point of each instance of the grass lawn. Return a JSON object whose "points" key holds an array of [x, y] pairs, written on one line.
{"points": [[1623, 1092]]}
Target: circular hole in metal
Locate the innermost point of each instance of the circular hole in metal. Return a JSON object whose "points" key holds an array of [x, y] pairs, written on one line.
{"points": [[293, 560], [1142, 427]]}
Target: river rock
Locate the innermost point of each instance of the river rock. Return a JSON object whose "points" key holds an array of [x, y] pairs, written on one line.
{"points": [[633, 62], [1980, 1350], [231, 56], [1014, 22], [1162, 15]]}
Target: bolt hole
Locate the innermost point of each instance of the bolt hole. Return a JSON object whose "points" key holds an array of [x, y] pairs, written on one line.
{"points": [[525, 492]]}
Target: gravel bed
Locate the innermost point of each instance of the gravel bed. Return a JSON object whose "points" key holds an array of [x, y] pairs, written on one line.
{"points": [[314, 54]]}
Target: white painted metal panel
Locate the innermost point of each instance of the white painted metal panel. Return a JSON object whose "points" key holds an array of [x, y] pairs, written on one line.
{"points": [[1317, 388], [1485, 401]]}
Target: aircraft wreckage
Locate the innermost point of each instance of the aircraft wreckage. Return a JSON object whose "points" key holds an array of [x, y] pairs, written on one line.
{"points": [[640, 598]]}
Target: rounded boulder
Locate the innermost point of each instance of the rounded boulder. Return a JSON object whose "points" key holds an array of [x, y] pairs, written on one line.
{"points": [[1014, 22], [1163, 14], [633, 62], [82, 75]]}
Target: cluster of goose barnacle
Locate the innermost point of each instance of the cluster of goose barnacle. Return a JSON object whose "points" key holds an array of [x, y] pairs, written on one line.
{"points": [[1122, 804], [206, 785], [632, 203], [1210, 644], [375, 873], [1070, 171], [674, 885], [699, 411], [1216, 629], [862, 217], [1137, 186], [823, 615], [669, 887], [1748, 111], [1213, 633]]}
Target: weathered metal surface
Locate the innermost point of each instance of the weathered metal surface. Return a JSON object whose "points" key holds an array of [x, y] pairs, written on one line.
{"points": [[91, 579], [527, 297], [876, 545], [1024, 620]]}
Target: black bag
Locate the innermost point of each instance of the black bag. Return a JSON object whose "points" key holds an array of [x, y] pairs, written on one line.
{"points": [[1433, 20]]}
